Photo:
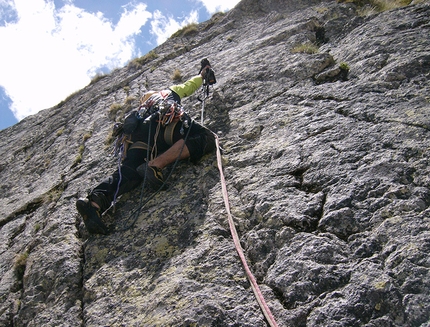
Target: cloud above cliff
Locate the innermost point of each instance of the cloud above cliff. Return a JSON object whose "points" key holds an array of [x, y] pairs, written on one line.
{"points": [[51, 49]]}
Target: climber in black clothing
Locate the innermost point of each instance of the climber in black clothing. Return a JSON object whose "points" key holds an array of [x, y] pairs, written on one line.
{"points": [[160, 126]]}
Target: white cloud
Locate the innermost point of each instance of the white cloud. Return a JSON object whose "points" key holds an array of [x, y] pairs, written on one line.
{"points": [[213, 6], [163, 27], [70, 42], [48, 53]]}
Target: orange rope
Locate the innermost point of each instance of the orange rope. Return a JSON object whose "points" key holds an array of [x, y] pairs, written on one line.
{"points": [[258, 295]]}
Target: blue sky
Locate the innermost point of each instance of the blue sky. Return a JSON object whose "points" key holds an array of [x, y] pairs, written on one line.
{"points": [[52, 48]]}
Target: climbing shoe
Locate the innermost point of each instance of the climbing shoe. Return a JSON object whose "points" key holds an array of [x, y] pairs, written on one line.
{"points": [[91, 217], [154, 176]]}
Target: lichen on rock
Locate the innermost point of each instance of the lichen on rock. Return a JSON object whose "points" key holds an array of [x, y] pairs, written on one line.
{"points": [[328, 178]]}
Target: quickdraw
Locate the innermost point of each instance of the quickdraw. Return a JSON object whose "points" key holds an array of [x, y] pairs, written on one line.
{"points": [[208, 80], [202, 99]]}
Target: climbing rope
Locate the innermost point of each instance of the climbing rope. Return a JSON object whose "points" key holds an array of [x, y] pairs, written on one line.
{"points": [[135, 214], [258, 295], [119, 151]]}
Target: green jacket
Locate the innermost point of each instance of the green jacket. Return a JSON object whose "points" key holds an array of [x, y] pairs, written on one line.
{"points": [[187, 88]]}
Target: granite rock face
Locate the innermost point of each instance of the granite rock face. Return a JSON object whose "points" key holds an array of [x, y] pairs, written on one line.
{"points": [[326, 157]]}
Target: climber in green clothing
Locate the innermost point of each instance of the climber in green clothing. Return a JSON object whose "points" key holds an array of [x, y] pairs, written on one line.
{"points": [[159, 131]]}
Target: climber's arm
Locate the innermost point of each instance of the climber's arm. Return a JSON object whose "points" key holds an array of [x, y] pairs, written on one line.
{"points": [[189, 87]]}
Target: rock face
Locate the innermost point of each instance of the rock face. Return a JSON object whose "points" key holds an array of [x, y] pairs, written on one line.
{"points": [[326, 157]]}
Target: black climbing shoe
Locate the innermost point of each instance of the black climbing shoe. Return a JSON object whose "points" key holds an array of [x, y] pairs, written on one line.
{"points": [[154, 176], [91, 217]]}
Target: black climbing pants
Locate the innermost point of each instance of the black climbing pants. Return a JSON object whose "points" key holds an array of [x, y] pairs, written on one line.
{"points": [[127, 178], [199, 142]]}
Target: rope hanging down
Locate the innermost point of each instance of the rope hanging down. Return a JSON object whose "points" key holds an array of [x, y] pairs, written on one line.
{"points": [[259, 296]]}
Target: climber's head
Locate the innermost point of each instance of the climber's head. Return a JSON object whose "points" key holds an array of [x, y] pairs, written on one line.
{"points": [[146, 96]]}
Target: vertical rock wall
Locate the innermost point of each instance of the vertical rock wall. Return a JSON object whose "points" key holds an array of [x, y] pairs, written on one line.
{"points": [[323, 116]]}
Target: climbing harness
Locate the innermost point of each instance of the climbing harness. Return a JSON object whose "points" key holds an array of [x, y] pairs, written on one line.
{"points": [[258, 295], [153, 104], [135, 214]]}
